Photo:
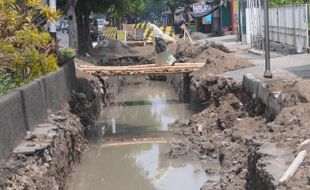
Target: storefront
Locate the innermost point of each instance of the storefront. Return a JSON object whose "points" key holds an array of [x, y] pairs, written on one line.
{"points": [[213, 18]]}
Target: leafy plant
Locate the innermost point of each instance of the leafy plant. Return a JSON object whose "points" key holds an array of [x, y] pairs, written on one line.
{"points": [[26, 50], [67, 53]]}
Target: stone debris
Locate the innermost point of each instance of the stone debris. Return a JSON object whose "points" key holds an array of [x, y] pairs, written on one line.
{"points": [[250, 151], [46, 156]]}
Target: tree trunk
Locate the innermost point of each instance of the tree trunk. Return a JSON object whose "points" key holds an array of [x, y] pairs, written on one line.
{"points": [[73, 32], [82, 17]]}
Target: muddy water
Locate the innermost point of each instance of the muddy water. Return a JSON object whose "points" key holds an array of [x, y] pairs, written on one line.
{"points": [[141, 108]]}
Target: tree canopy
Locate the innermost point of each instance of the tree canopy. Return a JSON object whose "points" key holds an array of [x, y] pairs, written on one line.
{"points": [[274, 3]]}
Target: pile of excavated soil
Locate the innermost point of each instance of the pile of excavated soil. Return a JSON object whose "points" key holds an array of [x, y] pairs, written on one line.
{"points": [[216, 56], [229, 137], [114, 53], [208, 136], [218, 61]]}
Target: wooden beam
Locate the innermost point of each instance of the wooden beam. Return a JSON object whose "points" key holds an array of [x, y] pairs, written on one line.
{"points": [[142, 69], [141, 66], [147, 69]]}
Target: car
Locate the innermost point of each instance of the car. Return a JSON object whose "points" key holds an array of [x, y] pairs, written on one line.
{"points": [[101, 24], [64, 27], [58, 26]]}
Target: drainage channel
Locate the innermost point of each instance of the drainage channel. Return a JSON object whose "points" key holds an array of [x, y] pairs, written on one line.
{"points": [[133, 154]]}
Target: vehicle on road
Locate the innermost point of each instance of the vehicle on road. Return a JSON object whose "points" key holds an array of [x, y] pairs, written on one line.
{"points": [[64, 26]]}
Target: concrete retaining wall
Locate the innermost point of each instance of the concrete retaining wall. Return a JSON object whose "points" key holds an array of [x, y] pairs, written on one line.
{"points": [[25, 107], [258, 88]]}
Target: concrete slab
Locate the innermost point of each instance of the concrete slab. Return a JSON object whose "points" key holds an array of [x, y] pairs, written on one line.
{"points": [[13, 125], [287, 67], [34, 102]]}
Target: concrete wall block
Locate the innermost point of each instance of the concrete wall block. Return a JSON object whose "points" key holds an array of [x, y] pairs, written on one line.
{"points": [[56, 90], [248, 82], [13, 125], [263, 93], [251, 83], [34, 101], [70, 74]]}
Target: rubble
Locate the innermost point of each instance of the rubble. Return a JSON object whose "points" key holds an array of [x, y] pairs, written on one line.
{"points": [[248, 150], [46, 159]]}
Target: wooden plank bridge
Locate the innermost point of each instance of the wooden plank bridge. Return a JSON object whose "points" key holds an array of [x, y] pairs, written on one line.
{"points": [[149, 69]]}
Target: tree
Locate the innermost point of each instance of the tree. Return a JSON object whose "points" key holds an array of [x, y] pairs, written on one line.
{"points": [[126, 8], [174, 4], [78, 12], [287, 2]]}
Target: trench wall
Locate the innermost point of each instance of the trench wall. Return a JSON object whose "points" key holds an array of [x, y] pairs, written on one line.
{"points": [[181, 83], [25, 107]]}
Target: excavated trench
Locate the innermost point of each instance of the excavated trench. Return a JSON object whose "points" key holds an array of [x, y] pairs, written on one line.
{"points": [[229, 135], [133, 151], [145, 134], [194, 131], [222, 137]]}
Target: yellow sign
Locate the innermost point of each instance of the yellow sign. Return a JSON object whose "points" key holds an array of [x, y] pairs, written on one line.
{"points": [[149, 34], [121, 35]]}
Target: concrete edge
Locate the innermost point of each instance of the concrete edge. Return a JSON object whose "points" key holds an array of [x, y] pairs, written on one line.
{"points": [[25, 107], [255, 86]]}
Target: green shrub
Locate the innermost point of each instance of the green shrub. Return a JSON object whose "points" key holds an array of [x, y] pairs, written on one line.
{"points": [[67, 53], [8, 83], [27, 51]]}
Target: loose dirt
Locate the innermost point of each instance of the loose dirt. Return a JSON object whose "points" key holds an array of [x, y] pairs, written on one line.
{"points": [[229, 137], [49, 166], [216, 56], [111, 52]]}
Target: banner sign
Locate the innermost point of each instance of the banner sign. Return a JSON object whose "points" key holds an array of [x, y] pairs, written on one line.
{"points": [[121, 35]]}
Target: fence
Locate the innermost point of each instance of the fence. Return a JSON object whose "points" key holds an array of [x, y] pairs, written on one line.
{"points": [[287, 24]]}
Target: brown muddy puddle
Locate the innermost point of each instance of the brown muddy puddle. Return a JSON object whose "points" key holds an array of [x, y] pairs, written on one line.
{"points": [[136, 167], [141, 108]]}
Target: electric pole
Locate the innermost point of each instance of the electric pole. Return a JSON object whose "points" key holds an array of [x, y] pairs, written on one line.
{"points": [[267, 73], [52, 25]]}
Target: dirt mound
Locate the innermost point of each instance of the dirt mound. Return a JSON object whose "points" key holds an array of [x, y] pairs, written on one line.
{"points": [[115, 47], [208, 136], [292, 95], [216, 56], [232, 140], [186, 52], [218, 62], [114, 53]]}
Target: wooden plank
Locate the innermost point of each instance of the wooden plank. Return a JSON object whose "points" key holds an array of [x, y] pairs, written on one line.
{"points": [[143, 71], [120, 68], [141, 66], [148, 69]]}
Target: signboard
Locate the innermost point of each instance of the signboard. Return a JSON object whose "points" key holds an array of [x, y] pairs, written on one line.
{"points": [[129, 28], [122, 35], [202, 8], [207, 19]]}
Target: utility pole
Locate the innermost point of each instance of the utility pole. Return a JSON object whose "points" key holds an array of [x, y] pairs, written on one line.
{"points": [[52, 25], [267, 73]]}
